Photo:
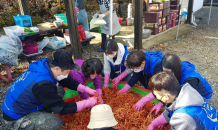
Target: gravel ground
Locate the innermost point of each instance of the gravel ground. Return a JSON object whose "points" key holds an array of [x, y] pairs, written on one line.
{"points": [[199, 47]]}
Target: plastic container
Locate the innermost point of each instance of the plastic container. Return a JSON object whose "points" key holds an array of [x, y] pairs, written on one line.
{"points": [[23, 20], [146, 33], [56, 42], [154, 30], [14, 30], [30, 47], [58, 23], [61, 17]]}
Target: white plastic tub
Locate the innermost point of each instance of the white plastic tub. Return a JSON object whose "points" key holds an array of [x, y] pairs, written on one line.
{"points": [[14, 30], [56, 42]]}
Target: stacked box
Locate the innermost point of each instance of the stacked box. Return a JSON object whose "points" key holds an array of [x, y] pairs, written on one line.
{"points": [[175, 8], [158, 14]]}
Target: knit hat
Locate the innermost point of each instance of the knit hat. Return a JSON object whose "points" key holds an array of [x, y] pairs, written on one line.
{"points": [[102, 116]]}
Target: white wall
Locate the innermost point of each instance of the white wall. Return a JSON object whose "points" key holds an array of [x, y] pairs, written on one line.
{"points": [[184, 5], [198, 4]]}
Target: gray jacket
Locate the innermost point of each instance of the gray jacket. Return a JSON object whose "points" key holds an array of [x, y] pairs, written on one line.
{"points": [[188, 96]]}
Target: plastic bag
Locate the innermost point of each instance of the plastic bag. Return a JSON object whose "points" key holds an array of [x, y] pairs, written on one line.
{"points": [[88, 34], [82, 32], [30, 47], [8, 58], [80, 38], [10, 48], [11, 44], [56, 42], [96, 22]]}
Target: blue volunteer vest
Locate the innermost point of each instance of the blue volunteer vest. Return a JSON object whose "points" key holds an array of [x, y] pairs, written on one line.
{"points": [[20, 100], [152, 57], [205, 116], [121, 65], [188, 70]]}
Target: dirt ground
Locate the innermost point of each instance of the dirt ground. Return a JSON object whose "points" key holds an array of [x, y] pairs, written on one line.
{"points": [[199, 46]]}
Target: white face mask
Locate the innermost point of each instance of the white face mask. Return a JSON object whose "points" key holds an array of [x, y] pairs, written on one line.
{"points": [[92, 77], [111, 56], [61, 77], [138, 70]]}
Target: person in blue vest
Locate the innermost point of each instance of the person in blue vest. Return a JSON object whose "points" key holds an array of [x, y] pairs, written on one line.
{"points": [[82, 14], [185, 107], [36, 90], [185, 73], [142, 64], [114, 63]]}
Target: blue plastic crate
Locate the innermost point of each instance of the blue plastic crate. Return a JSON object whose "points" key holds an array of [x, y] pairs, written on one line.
{"points": [[23, 20]]}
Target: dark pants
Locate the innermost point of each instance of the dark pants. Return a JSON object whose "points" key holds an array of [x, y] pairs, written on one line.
{"points": [[39, 120], [113, 75], [104, 37]]}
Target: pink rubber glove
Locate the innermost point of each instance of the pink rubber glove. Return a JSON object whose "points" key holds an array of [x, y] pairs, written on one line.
{"points": [[118, 78], [125, 89], [86, 103], [157, 107], [84, 89], [77, 9], [106, 80], [141, 103], [157, 122], [100, 95]]}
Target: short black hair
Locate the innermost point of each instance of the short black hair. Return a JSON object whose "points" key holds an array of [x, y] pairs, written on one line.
{"points": [[135, 59], [91, 66], [172, 62], [164, 81], [109, 46]]}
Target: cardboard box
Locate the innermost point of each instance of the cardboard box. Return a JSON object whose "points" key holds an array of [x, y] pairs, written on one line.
{"points": [[174, 2], [160, 28], [166, 12], [155, 6], [166, 4], [151, 17], [173, 22], [160, 21], [173, 14], [168, 19], [174, 7], [154, 30], [164, 27], [163, 20]]}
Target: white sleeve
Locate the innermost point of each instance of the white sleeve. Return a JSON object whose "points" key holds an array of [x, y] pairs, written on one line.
{"points": [[107, 66]]}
